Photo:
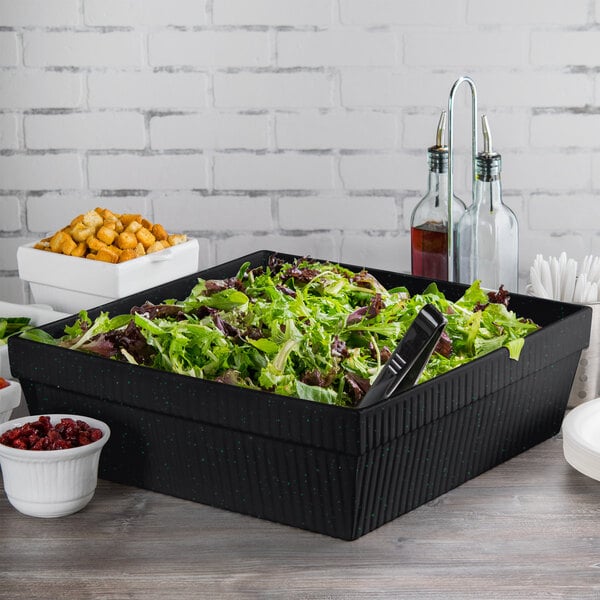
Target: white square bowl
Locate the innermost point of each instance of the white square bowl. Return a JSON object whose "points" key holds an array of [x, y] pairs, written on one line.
{"points": [[71, 284], [39, 315], [10, 397]]}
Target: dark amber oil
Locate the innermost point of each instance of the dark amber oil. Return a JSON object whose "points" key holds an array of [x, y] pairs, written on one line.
{"points": [[429, 250]]}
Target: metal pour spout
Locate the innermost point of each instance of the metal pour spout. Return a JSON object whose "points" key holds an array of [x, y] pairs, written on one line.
{"points": [[488, 163], [487, 135], [439, 138]]}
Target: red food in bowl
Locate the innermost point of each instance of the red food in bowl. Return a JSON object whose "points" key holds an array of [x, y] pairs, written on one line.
{"points": [[42, 435], [3, 383]]}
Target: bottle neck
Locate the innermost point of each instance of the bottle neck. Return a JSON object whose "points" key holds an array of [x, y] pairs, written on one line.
{"points": [[438, 186], [488, 194]]}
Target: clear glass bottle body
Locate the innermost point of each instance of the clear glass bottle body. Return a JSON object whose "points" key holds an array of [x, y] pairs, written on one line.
{"points": [[488, 233], [429, 221]]}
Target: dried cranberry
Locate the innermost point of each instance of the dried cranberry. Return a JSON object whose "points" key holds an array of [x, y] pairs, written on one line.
{"points": [[42, 435]]}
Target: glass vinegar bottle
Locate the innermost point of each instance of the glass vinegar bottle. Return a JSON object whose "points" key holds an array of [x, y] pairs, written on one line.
{"points": [[429, 219], [488, 232]]}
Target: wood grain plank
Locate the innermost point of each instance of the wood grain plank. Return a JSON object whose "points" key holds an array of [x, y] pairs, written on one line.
{"points": [[529, 528]]}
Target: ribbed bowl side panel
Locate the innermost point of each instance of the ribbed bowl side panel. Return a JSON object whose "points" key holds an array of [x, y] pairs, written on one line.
{"points": [[288, 483], [325, 491], [435, 458]]}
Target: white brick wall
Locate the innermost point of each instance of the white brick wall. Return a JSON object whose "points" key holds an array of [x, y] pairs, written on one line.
{"points": [[287, 171], [219, 131], [225, 49], [22, 89], [433, 13], [61, 49], [213, 214], [532, 12], [147, 90], [9, 49], [338, 48], [292, 125], [144, 13], [348, 130], [32, 172], [271, 90], [277, 13], [157, 172], [39, 13], [89, 130], [9, 132], [317, 213], [11, 213], [470, 49]]}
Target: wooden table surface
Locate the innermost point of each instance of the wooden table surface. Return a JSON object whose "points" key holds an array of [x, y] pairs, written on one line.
{"points": [[529, 528]]}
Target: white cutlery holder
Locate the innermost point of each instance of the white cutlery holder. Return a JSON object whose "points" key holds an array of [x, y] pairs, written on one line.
{"points": [[586, 384]]}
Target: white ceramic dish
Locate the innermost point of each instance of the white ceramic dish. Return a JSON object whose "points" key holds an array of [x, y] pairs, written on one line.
{"points": [[10, 397], [71, 284], [581, 438], [51, 483], [38, 313]]}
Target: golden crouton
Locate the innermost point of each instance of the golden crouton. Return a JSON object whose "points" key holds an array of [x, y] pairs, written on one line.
{"points": [[68, 245], [127, 255], [93, 219], [80, 249], [57, 240], [157, 247], [106, 235], [140, 250], [126, 219], [107, 215], [133, 227], [77, 219], [42, 245], [94, 243], [127, 240], [80, 232], [145, 237], [159, 232], [177, 238], [107, 254]]}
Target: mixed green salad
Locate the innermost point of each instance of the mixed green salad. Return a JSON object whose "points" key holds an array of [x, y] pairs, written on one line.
{"points": [[12, 326], [303, 328]]}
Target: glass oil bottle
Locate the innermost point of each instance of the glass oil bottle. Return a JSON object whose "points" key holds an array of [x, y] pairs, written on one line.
{"points": [[488, 233], [429, 219]]}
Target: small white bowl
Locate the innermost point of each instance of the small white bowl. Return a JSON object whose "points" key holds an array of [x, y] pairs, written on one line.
{"points": [[51, 483], [40, 314], [10, 397]]}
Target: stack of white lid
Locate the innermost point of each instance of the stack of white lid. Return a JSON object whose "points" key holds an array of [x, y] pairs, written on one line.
{"points": [[581, 438]]}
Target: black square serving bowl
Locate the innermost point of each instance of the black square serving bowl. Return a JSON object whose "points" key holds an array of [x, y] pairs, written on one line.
{"points": [[339, 471]]}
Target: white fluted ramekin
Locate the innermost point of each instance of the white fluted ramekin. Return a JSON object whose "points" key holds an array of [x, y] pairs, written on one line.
{"points": [[51, 483], [10, 397]]}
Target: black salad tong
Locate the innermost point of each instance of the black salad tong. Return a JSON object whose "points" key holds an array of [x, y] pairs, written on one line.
{"points": [[405, 365]]}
